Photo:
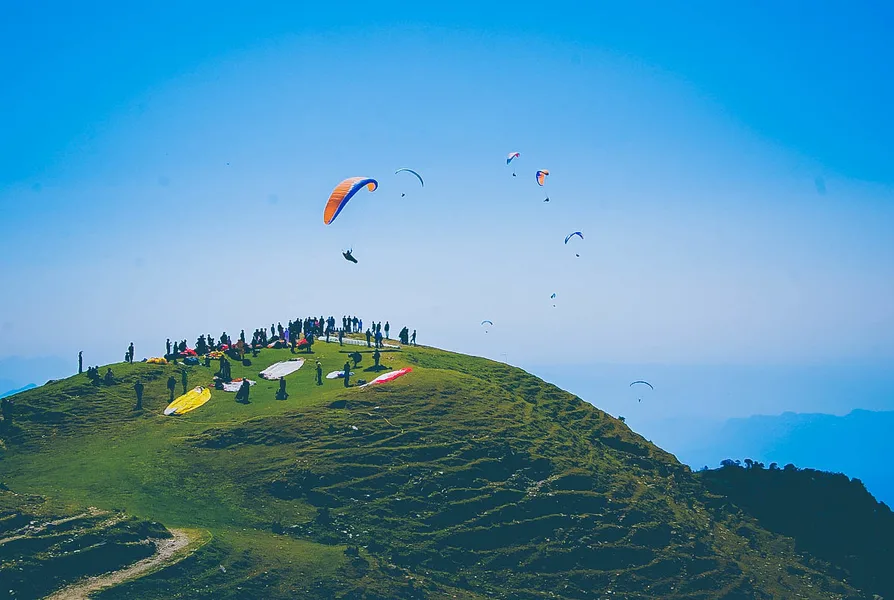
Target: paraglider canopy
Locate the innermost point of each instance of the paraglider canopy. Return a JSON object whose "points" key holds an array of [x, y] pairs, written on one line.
{"points": [[343, 192], [571, 235], [418, 176], [487, 322], [541, 176], [511, 156]]}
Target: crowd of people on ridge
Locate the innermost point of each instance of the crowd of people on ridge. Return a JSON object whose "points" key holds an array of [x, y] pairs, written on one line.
{"points": [[299, 333]]}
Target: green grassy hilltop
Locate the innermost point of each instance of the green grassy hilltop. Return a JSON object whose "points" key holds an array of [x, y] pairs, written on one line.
{"points": [[463, 479]]}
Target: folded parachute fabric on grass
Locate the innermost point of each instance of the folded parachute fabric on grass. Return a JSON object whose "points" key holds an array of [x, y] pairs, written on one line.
{"points": [[390, 376], [336, 374], [191, 400], [234, 385], [156, 360], [281, 369]]}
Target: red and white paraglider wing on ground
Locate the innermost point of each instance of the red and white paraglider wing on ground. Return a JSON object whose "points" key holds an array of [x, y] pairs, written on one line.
{"points": [[390, 376]]}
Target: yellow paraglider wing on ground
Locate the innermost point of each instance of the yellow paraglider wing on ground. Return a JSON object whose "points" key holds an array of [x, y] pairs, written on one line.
{"points": [[191, 400]]}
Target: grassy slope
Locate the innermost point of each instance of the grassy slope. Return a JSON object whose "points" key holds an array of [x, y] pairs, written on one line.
{"points": [[466, 478]]}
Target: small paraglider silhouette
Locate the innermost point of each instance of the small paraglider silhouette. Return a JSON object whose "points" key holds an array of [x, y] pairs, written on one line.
{"points": [[571, 235], [644, 383], [348, 256], [546, 199], [510, 157], [553, 297], [418, 176], [491, 323]]}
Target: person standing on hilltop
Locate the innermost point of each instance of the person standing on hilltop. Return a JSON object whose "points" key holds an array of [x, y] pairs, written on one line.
{"points": [[80, 362], [168, 346], [387, 330], [341, 337], [130, 353], [376, 357], [319, 373], [281, 394], [242, 394], [347, 373], [413, 338], [172, 385], [138, 388], [184, 379], [368, 338]]}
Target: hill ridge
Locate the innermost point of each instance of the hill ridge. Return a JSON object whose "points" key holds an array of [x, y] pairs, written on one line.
{"points": [[466, 478]]}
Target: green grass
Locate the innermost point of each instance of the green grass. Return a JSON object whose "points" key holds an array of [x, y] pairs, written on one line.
{"points": [[466, 478]]}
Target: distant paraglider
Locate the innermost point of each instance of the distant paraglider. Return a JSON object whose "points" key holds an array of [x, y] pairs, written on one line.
{"points": [[541, 177], [348, 256], [486, 323], [510, 158], [343, 192], [642, 383], [553, 297], [571, 235]]}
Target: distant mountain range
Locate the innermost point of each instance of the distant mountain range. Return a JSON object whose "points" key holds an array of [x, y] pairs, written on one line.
{"points": [[856, 444], [9, 392]]}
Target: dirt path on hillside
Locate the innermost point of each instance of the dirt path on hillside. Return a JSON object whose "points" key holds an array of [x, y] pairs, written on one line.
{"points": [[165, 551]]}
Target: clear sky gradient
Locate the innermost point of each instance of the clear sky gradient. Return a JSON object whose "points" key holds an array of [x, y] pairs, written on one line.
{"points": [[163, 171]]}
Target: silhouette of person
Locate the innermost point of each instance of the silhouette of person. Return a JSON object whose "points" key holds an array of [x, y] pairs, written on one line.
{"points": [[368, 338], [172, 385], [376, 356], [242, 394], [138, 388], [184, 379], [413, 338], [80, 362], [130, 353], [347, 373], [387, 330], [281, 394], [319, 373]]}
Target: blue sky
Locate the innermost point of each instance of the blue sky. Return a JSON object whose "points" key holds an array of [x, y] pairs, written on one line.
{"points": [[163, 171]]}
